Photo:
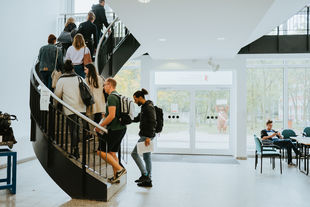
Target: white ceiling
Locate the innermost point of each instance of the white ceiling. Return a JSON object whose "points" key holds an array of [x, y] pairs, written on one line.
{"points": [[192, 28]]}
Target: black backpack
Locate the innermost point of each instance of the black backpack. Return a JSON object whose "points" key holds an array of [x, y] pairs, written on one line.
{"points": [[86, 95], [6, 131], [159, 119]]}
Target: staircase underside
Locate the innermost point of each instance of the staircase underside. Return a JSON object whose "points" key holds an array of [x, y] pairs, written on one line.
{"points": [[68, 173], [278, 44]]}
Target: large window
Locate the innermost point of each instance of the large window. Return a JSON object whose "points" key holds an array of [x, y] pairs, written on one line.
{"points": [[279, 90], [128, 81], [84, 6], [264, 100], [298, 99]]}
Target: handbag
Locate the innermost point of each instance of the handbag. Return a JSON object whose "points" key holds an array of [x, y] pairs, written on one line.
{"points": [[86, 95], [56, 74], [86, 58]]}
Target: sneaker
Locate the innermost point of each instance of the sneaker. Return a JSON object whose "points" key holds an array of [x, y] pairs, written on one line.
{"points": [[291, 164], [142, 179], [120, 173], [145, 184], [113, 181], [76, 153]]}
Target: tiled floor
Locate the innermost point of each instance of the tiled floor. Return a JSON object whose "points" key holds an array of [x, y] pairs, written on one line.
{"points": [[177, 184]]}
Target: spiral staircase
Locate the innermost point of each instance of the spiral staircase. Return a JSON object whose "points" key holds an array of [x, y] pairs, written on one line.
{"points": [[86, 177]]}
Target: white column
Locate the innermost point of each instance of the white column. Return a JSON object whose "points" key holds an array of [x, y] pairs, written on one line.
{"points": [[146, 75], [68, 6], [285, 97], [240, 146]]}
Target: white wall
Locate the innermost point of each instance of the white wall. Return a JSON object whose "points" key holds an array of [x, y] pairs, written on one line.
{"points": [[25, 26]]}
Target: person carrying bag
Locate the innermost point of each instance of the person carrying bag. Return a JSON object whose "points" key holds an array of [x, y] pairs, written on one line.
{"points": [[56, 73]]}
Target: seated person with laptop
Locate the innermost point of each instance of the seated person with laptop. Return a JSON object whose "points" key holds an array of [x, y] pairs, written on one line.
{"points": [[276, 138]]}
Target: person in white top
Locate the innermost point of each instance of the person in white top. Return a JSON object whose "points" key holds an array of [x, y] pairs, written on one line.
{"points": [[76, 53], [67, 88], [95, 83]]}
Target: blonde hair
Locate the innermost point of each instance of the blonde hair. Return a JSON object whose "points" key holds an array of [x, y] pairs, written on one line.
{"points": [[112, 81], [91, 16], [78, 41], [69, 21]]}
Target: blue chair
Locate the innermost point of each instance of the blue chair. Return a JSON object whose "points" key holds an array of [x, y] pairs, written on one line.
{"points": [[288, 133], [307, 132], [266, 150]]}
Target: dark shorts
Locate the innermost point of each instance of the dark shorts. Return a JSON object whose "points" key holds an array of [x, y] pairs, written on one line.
{"points": [[113, 140]]}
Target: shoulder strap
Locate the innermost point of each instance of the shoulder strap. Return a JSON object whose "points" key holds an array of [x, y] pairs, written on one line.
{"points": [[118, 95], [120, 102], [56, 58], [80, 79]]}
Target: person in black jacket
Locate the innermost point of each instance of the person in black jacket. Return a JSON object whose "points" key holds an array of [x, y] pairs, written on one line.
{"points": [[89, 29], [101, 18], [276, 138], [67, 35], [147, 119]]}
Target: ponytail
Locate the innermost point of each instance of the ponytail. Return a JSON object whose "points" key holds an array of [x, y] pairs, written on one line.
{"points": [[141, 93]]}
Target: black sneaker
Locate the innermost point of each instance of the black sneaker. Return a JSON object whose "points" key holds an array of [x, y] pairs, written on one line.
{"points": [[142, 179], [119, 174], [113, 181], [145, 184], [76, 153]]}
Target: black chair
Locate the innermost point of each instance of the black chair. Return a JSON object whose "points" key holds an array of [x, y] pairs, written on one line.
{"points": [[266, 150]]}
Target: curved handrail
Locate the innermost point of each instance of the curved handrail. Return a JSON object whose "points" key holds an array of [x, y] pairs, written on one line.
{"points": [[102, 39], [66, 105]]}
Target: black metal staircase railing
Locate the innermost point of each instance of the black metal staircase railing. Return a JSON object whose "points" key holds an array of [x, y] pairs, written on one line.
{"points": [[298, 24], [59, 128], [114, 49], [52, 135], [53, 132]]}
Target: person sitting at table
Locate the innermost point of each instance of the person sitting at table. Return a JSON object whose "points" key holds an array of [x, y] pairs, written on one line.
{"points": [[277, 139]]}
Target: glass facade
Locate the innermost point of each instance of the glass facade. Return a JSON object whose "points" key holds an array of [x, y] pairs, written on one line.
{"points": [[130, 75], [277, 89]]}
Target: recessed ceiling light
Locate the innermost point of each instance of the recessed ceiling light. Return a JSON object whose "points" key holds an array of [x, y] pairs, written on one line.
{"points": [[162, 40], [144, 1], [220, 38]]}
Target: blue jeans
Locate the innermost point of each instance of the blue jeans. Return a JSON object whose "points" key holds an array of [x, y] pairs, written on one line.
{"points": [[47, 78], [147, 169], [79, 69]]}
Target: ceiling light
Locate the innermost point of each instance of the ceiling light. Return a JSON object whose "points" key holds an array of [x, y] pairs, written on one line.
{"points": [[220, 38], [162, 40], [144, 1]]}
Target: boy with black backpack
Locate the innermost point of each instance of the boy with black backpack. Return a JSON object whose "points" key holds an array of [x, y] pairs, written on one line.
{"points": [[148, 128]]}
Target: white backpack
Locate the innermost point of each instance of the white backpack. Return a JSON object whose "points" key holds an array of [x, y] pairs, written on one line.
{"points": [[127, 109]]}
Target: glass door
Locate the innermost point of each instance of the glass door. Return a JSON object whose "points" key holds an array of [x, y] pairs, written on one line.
{"points": [[176, 105], [212, 125], [195, 121]]}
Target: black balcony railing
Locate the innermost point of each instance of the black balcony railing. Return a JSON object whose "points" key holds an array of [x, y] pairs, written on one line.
{"points": [[296, 25]]}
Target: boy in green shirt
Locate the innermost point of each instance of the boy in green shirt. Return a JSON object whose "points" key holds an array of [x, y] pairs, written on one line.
{"points": [[116, 131]]}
